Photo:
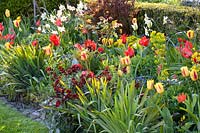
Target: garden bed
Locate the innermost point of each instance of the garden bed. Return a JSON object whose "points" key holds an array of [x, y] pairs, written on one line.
{"points": [[104, 67]]}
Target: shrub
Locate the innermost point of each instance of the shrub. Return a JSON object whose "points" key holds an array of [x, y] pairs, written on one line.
{"points": [[25, 7], [180, 18], [115, 10]]}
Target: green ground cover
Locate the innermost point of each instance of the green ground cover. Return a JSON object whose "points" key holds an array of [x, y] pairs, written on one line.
{"points": [[12, 121]]}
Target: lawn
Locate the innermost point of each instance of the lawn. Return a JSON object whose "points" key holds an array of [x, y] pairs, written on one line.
{"points": [[12, 121]]}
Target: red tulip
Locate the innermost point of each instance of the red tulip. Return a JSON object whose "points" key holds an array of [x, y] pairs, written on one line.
{"points": [[188, 44], [55, 40], [123, 38], [144, 41], [100, 50], [181, 98], [34, 43], [186, 52], [90, 44], [58, 103], [1, 27], [129, 52], [78, 46]]}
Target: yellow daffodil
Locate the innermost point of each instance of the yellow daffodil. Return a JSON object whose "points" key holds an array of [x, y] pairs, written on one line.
{"points": [[185, 72]]}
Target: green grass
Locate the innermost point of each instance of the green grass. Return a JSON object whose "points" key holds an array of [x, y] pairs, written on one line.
{"points": [[12, 121]]}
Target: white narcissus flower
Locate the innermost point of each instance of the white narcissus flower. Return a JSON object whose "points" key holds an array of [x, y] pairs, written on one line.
{"points": [[61, 29], [59, 13], [43, 31], [39, 28], [134, 26], [44, 16], [146, 31], [52, 18], [147, 21], [71, 8], [165, 18], [63, 18], [81, 6], [54, 32], [62, 7], [47, 26]]}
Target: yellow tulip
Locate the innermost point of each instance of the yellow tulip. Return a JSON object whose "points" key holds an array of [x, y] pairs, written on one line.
{"points": [[128, 69], [125, 61], [104, 41], [190, 34], [17, 21], [47, 50], [120, 73], [84, 55], [159, 88], [194, 75], [110, 41], [7, 13], [150, 84], [185, 72], [8, 45]]}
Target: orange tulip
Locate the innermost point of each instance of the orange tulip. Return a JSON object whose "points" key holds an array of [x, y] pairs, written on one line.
{"points": [[47, 50]]}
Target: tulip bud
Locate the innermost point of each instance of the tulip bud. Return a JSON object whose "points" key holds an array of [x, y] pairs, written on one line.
{"points": [[120, 73], [194, 75], [125, 61], [47, 50], [159, 88], [190, 34], [185, 72], [7, 13], [104, 41], [8, 45], [84, 56], [150, 84]]}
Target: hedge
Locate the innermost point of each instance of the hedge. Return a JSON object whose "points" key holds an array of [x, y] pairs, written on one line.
{"points": [[181, 18], [25, 7]]}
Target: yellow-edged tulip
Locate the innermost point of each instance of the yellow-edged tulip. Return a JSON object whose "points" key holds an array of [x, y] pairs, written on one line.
{"points": [[159, 88], [184, 71]]}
